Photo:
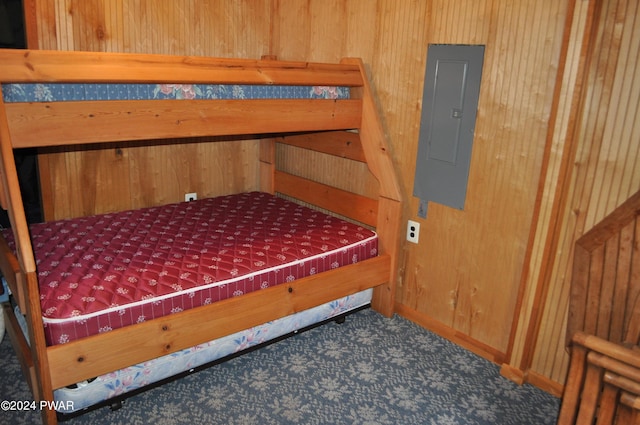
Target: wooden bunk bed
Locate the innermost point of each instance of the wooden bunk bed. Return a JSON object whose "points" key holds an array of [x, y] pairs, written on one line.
{"points": [[349, 128]]}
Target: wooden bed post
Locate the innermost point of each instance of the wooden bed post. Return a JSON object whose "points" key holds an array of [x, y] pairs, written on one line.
{"points": [[379, 161], [12, 195], [268, 155], [26, 279], [267, 165]]}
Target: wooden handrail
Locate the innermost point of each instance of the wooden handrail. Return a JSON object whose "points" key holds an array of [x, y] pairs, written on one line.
{"points": [[605, 295], [603, 383]]}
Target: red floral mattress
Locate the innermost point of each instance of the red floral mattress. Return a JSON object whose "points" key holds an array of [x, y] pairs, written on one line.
{"points": [[108, 271]]}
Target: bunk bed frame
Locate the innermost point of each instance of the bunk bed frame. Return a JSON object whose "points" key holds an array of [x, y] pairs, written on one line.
{"points": [[347, 128]]}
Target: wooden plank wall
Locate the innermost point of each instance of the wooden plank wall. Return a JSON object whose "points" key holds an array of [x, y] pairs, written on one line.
{"points": [[604, 164], [114, 178], [464, 280], [556, 144], [554, 168]]}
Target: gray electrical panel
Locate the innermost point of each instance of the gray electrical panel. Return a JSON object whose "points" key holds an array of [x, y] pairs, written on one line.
{"points": [[449, 106]]}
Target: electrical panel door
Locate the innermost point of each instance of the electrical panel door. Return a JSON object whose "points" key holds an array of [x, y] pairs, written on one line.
{"points": [[450, 102]]}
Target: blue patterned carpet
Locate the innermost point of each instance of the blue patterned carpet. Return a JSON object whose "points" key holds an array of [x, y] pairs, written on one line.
{"points": [[369, 370]]}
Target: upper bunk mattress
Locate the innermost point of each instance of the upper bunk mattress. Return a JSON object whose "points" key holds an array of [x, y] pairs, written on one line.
{"points": [[104, 272]]}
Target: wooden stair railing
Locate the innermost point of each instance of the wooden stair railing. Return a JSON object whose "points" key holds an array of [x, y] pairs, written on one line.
{"points": [[603, 384], [605, 284], [603, 328]]}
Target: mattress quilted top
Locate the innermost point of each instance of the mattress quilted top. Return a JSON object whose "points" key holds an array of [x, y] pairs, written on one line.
{"points": [[91, 264]]}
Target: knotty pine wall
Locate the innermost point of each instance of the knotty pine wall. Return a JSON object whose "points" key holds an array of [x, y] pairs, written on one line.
{"points": [[87, 182], [556, 144]]}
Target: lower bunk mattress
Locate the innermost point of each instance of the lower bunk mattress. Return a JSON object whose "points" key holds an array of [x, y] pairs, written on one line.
{"points": [[84, 395], [108, 271]]}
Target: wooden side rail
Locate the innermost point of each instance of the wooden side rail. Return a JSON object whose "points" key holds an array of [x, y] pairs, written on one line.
{"points": [[603, 385], [20, 345], [68, 123], [359, 208], [344, 144], [10, 269], [87, 357]]}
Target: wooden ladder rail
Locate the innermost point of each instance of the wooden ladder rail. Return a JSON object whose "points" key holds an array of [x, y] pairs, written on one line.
{"points": [[603, 385]]}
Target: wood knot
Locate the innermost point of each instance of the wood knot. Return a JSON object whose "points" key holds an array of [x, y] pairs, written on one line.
{"points": [[80, 359], [165, 327], [290, 289]]}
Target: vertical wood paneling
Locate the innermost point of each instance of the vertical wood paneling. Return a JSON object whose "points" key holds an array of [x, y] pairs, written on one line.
{"points": [[213, 28], [553, 169], [606, 156], [287, 15], [613, 179], [453, 275], [456, 276]]}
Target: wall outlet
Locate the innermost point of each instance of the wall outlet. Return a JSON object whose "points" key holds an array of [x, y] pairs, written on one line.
{"points": [[413, 231], [190, 196]]}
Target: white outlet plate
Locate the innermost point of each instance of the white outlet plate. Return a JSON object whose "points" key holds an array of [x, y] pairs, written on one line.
{"points": [[413, 231], [190, 196]]}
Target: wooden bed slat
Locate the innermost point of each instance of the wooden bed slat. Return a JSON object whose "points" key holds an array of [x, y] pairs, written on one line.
{"points": [[11, 272], [45, 66], [68, 123], [356, 207], [19, 343], [87, 357], [345, 144]]}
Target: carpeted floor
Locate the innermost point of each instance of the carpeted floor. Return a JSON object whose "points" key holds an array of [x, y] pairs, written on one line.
{"points": [[369, 370]]}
